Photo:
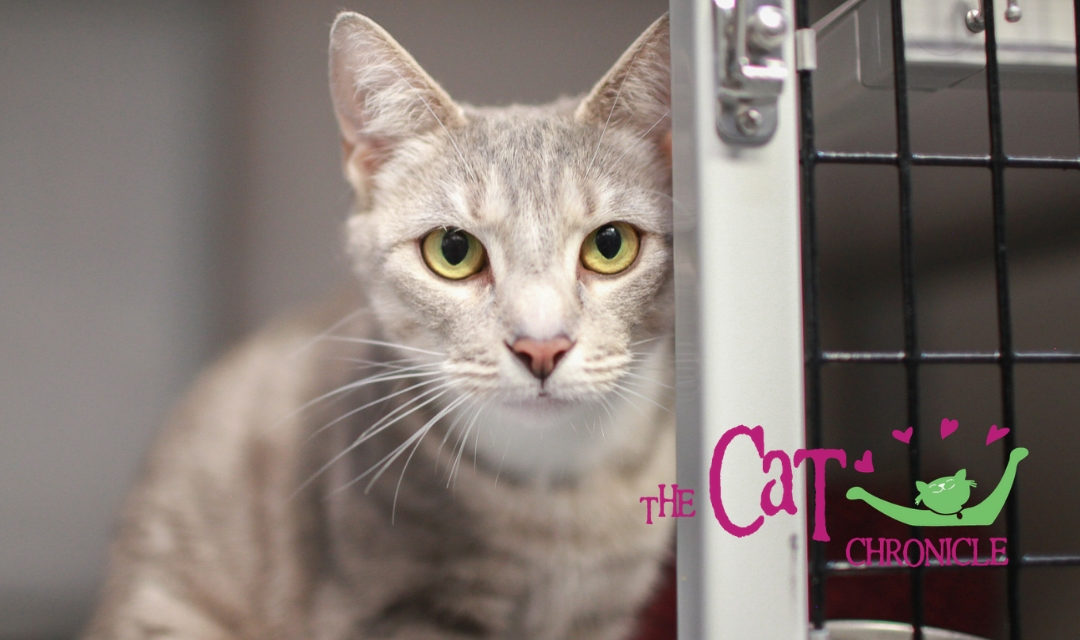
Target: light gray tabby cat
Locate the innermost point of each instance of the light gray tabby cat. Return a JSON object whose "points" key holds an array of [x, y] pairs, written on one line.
{"points": [[464, 457]]}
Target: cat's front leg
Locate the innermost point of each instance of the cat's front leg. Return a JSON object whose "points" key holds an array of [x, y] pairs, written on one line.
{"points": [[150, 612], [453, 611]]}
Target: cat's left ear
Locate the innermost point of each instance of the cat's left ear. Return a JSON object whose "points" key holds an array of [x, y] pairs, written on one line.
{"points": [[636, 92], [960, 475], [381, 96]]}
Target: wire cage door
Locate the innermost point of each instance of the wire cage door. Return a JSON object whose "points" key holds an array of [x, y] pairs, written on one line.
{"points": [[896, 264], [902, 69]]}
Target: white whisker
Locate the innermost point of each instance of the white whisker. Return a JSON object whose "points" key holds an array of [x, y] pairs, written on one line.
{"points": [[307, 344], [616, 161], [384, 463], [614, 103], [374, 430], [453, 142], [638, 376], [427, 427], [644, 397], [367, 405], [386, 364], [422, 371], [649, 339], [383, 343], [461, 449]]}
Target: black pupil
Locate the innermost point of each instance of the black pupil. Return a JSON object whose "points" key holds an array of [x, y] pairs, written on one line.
{"points": [[455, 246], [608, 241]]}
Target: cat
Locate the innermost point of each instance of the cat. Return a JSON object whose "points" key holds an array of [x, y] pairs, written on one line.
{"points": [[457, 447], [945, 495]]}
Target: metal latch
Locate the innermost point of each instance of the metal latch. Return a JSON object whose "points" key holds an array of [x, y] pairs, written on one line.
{"points": [[750, 68]]}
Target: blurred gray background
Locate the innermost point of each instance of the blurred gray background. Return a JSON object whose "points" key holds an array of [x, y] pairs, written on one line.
{"points": [[170, 179]]}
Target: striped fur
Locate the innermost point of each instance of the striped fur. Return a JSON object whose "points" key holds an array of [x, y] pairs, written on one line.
{"points": [[384, 467]]}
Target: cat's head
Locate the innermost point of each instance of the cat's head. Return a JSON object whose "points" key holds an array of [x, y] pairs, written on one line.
{"points": [[530, 245], [945, 495]]}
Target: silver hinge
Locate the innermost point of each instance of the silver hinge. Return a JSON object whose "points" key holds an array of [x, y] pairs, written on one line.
{"points": [[805, 50], [750, 68]]}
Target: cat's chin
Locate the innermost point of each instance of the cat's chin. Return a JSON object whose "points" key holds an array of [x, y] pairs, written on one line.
{"points": [[542, 436]]}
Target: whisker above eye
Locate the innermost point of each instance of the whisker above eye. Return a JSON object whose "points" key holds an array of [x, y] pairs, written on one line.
{"points": [[465, 166], [614, 104], [642, 136]]}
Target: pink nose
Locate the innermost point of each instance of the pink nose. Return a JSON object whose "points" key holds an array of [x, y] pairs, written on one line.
{"points": [[541, 356]]}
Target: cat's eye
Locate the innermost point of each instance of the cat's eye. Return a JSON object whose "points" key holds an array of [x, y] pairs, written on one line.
{"points": [[452, 253], [610, 248]]}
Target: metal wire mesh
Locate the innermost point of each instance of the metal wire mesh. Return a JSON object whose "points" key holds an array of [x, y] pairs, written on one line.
{"points": [[912, 358]]}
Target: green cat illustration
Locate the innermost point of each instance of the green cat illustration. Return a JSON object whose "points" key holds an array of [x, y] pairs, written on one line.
{"points": [[945, 497]]}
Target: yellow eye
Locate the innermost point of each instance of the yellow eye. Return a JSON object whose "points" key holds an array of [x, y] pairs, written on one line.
{"points": [[452, 253], [610, 249]]}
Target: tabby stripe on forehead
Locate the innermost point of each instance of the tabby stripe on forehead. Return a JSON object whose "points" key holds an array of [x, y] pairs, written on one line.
{"points": [[588, 196], [472, 199]]}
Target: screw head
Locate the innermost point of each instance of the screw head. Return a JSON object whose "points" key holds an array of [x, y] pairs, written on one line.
{"points": [[766, 28], [974, 21], [748, 120]]}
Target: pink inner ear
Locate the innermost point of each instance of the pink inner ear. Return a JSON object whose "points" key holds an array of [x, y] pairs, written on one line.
{"points": [[362, 159]]}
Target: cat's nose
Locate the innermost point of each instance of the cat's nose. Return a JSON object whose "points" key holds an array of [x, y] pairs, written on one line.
{"points": [[540, 356]]}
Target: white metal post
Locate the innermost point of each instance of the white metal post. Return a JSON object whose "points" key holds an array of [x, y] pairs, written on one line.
{"points": [[738, 346]]}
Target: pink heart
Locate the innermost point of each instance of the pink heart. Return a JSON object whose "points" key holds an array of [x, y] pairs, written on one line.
{"points": [[995, 433], [865, 464], [948, 427], [903, 436]]}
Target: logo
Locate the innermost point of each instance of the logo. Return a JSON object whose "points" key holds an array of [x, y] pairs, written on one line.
{"points": [[941, 502]]}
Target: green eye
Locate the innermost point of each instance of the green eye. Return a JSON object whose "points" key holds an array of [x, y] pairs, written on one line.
{"points": [[610, 249], [452, 253]]}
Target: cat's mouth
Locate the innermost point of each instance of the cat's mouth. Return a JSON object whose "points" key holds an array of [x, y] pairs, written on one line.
{"points": [[543, 399], [540, 401]]}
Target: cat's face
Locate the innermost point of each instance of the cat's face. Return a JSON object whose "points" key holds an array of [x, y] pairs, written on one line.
{"points": [[529, 246], [945, 495]]}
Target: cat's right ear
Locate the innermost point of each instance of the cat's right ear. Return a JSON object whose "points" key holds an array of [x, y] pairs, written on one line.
{"points": [[381, 96], [636, 92]]}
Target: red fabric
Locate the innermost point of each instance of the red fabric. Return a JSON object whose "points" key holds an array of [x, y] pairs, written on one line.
{"points": [[657, 621]]}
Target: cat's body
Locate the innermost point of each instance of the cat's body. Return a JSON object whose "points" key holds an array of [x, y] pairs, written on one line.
{"points": [[464, 455]]}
